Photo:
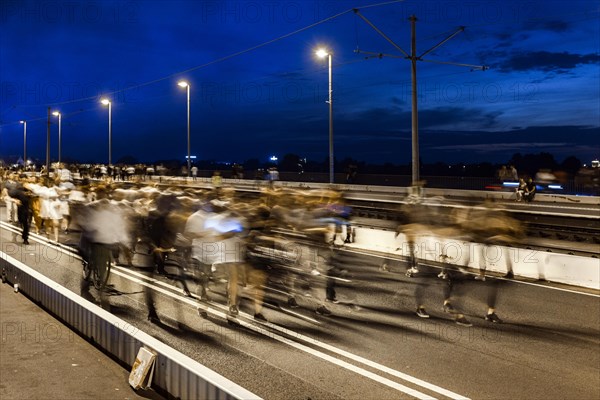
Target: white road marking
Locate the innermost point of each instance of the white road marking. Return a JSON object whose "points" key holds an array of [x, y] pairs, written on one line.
{"points": [[361, 371], [299, 346], [314, 342], [318, 343]]}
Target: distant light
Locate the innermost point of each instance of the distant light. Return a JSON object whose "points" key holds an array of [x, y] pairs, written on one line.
{"points": [[273, 158], [510, 184], [557, 187], [105, 102], [183, 83], [190, 157], [56, 113], [322, 53]]}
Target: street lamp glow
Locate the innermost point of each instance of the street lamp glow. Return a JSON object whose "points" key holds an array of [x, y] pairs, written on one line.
{"points": [[107, 102], [186, 85], [57, 114], [24, 140], [322, 53]]}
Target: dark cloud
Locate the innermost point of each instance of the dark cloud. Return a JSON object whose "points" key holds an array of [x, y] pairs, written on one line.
{"points": [[457, 116], [398, 101], [509, 38], [562, 141], [546, 61], [552, 26]]}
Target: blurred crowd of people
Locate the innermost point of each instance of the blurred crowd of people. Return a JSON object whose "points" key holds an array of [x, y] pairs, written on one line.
{"points": [[282, 241], [202, 232]]}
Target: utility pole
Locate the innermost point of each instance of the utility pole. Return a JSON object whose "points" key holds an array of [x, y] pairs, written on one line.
{"points": [[415, 112], [48, 148], [413, 57]]}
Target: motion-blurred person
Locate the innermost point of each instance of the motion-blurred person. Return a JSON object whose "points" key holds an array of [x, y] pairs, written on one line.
{"points": [[418, 220], [103, 228], [530, 191], [520, 190], [22, 198], [228, 251], [11, 206], [64, 210], [351, 174], [493, 228], [49, 209], [162, 234], [196, 231], [217, 180], [256, 271], [513, 173]]}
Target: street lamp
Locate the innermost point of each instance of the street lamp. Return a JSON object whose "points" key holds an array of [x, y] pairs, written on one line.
{"points": [[322, 53], [184, 84], [107, 102], [59, 115], [24, 142]]}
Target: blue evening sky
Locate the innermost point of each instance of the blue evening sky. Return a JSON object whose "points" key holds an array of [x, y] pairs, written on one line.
{"points": [[257, 88]]}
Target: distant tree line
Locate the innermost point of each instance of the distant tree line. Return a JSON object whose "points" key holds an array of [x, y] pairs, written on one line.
{"points": [[527, 164]]}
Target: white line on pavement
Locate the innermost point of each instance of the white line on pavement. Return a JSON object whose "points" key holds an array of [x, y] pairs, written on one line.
{"points": [[325, 346], [306, 349]]}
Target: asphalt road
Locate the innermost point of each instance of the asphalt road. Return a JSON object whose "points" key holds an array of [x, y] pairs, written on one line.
{"points": [[373, 346]]}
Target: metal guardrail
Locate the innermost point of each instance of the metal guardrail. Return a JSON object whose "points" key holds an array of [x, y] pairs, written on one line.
{"points": [[374, 192], [175, 373]]}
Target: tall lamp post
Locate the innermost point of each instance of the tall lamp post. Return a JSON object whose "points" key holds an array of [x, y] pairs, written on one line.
{"points": [[185, 84], [107, 102], [59, 115], [24, 142], [322, 53]]}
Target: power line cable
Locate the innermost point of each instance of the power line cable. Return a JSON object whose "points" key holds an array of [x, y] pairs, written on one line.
{"points": [[233, 55]]}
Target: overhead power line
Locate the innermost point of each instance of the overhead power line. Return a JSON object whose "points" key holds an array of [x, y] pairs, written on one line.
{"points": [[413, 57]]}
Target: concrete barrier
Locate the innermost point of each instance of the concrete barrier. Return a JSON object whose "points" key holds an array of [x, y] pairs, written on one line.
{"points": [[389, 193], [177, 374], [527, 263]]}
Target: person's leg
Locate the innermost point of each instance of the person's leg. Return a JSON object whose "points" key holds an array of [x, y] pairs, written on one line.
{"points": [[55, 224], [492, 296], [483, 249], [159, 261], [413, 264], [8, 206], [449, 305], [24, 222], [232, 288], [419, 299], [509, 263], [201, 272], [257, 278]]}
